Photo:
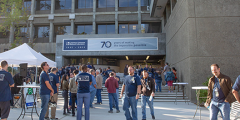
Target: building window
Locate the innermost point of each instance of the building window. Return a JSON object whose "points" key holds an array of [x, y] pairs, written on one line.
{"points": [[84, 29], [27, 5], [128, 3], [62, 30], [145, 2], [4, 34], [153, 27], [105, 3], [42, 31], [84, 4], [63, 4], [106, 29], [128, 28], [21, 32], [43, 5]]}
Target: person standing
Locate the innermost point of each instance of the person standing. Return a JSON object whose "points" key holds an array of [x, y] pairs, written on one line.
{"points": [[158, 81], [64, 87], [220, 94], [140, 69], [146, 68], [117, 89], [54, 79], [84, 80], [165, 70], [6, 81], [93, 87], [99, 80], [73, 89], [148, 89], [170, 78], [132, 88], [108, 72], [45, 90], [126, 70], [111, 85]]}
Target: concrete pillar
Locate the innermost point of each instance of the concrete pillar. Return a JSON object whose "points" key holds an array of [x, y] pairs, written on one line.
{"points": [[31, 32], [51, 31], [94, 16], [73, 6], [162, 23], [72, 27], [32, 7], [116, 16], [11, 36], [168, 11], [139, 16], [52, 6], [171, 4]]}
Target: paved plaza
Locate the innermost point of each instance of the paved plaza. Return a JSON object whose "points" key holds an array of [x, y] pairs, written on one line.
{"points": [[163, 111]]}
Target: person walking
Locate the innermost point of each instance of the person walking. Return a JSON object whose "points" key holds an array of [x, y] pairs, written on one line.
{"points": [[54, 79], [220, 95], [84, 80], [6, 82], [132, 88], [64, 87], [99, 80], [165, 70], [170, 78], [117, 89], [73, 89], [111, 85], [46, 90], [148, 89], [158, 81], [93, 87]]}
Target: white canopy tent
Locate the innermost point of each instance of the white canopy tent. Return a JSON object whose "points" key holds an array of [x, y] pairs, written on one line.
{"points": [[25, 54]]}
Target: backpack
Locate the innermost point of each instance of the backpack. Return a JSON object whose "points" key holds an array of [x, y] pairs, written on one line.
{"points": [[170, 76]]}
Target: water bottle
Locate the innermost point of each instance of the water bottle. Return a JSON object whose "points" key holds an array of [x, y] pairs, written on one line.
{"points": [[151, 97]]}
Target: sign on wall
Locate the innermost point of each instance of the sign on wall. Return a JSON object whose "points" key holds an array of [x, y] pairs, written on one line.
{"points": [[110, 44]]}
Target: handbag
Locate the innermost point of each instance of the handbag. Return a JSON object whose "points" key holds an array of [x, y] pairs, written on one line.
{"points": [[52, 103]]}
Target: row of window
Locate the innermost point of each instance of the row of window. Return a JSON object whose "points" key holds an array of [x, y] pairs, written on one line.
{"points": [[43, 31], [80, 4]]}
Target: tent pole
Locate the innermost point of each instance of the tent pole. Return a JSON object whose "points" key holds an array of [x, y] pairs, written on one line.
{"points": [[36, 75]]}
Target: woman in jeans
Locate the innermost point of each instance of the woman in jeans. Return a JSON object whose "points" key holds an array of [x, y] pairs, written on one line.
{"points": [[64, 87]]}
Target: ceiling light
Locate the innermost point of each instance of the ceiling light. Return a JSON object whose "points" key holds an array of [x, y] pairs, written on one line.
{"points": [[127, 58], [147, 57], [123, 26]]}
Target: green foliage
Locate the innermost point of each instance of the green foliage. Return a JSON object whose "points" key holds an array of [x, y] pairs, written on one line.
{"points": [[14, 13], [203, 93]]}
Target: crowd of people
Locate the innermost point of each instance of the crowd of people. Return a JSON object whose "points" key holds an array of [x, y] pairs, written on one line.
{"points": [[84, 82]]}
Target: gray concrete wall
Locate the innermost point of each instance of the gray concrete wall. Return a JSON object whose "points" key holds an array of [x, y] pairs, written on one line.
{"points": [[59, 53], [200, 33]]}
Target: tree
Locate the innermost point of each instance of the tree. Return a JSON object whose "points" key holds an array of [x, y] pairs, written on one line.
{"points": [[15, 13]]}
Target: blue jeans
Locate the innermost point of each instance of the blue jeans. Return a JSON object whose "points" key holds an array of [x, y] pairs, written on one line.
{"points": [[144, 100], [44, 106], [104, 79], [83, 98], [224, 109], [99, 97], [117, 92], [113, 97], [92, 95], [158, 85], [165, 76], [130, 102]]}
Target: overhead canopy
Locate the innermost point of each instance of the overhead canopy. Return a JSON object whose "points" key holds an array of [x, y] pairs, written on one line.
{"points": [[25, 54]]}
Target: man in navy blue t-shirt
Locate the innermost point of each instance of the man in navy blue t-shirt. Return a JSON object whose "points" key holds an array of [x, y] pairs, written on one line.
{"points": [[45, 89], [6, 81], [132, 88], [108, 72], [84, 80], [54, 80]]}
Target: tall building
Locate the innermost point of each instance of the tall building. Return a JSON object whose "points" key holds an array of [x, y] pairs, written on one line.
{"points": [[188, 34]]}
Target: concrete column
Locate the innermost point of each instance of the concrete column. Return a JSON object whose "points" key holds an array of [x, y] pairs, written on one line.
{"points": [[168, 11], [162, 23], [73, 6], [72, 27], [11, 36], [116, 16], [52, 6], [31, 32], [51, 31], [94, 16], [139, 16], [32, 7], [171, 4]]}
